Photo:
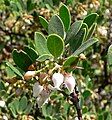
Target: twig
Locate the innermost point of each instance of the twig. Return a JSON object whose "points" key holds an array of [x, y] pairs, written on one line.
{"points": [[75, 100]]}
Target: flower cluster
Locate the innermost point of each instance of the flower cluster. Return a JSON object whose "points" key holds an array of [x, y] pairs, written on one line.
{"points": [[42, 92]]}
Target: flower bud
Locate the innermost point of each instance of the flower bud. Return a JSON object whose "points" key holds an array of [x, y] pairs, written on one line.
{"points": [[37, 89], [57, 79], [29, 74], [70, 82]]}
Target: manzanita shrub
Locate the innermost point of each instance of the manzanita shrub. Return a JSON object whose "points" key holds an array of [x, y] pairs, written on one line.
{"points": [[47, 68]]}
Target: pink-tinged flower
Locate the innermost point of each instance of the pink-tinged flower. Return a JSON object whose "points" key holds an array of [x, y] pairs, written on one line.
{"points": [[37, 89], [42, 98], [57, 79], [29, 74], [70, 82]]}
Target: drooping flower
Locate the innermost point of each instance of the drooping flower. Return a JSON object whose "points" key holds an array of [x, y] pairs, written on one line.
{"points": [[29, 74], [57, 79], [37, 89], [42, 98], [70, 82]]}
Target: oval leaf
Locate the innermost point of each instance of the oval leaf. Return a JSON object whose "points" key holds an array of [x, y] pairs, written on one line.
{"points": [[44, 57], [85, 45], [110, 55], [14, 69], [90, 19], [91, 31], [41, 44], [63, 11], [70, 61], [77, 41], [74, 29], [28, 109], [31, 53], [21, 59], [22, 104], [43, 22], [56, 26], [55, 45]]}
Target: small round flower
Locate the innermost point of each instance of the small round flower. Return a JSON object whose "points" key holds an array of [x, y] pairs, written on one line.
{"points": [[57, 79], [29, 74], [37, 89], [70, 82]]}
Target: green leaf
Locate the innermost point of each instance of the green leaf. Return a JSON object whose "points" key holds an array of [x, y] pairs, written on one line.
{"points": [[41, 43], [44, 57], [12, 109], [77, 41], [14, 69], [86, 94], [16, 104], [70, 61], [74, 29], [43, 22], [22, 4], [3, 94], [30, 5], [31, 53], [56, 26], [84, 25], [55, 45], [85, 45], [65, 16], [10, 73], [21, 59], [2, 85], [90, 19], [91, 31], [28, 108], [22, 104], [109, 55]]}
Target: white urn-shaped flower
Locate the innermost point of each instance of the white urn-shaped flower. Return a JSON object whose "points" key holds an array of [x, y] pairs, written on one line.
{"points": [[57, 79], [70, 82]]}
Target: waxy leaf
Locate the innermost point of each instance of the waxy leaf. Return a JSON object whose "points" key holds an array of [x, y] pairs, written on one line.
{"points": [[91, 31], [77, 41], [41, 44], [12, 109], [21, 59], [70, 61], [65, 16], [43, 22], [74, 29], [16, 104], [90, 19], [28, 108], [14, 69], [56, 26], [85, 45], [110, 55], [22, 104], [44, 57], [55, 45], [31, 53]]}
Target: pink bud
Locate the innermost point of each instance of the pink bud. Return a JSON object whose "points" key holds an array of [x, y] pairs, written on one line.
{"points": [[57, 79], [29, 74], [70, 82]]}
